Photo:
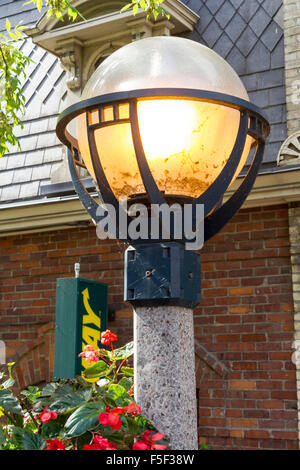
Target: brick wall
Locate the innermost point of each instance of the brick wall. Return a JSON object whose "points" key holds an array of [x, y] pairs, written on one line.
{"points": [[294, 223], [246, 319], [244, 326]]}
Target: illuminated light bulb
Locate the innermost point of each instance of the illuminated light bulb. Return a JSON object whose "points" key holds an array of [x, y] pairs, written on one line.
{"points": [[166, 127]]}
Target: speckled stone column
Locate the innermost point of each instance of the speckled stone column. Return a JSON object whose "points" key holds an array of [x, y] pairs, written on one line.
{"points": [[165, 384]]}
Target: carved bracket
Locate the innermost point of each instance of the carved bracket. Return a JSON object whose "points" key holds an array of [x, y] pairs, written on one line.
{"points": [[71, 62]]}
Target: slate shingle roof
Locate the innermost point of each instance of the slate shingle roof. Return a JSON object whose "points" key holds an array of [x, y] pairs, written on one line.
{"points": [[23, 172], [247, 33]]}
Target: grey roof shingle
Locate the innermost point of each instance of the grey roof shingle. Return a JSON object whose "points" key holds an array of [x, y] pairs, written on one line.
{"points": [[257, 55], [23, 171]]}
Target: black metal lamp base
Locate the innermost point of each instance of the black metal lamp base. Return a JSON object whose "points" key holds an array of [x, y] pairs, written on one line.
{"points": [[162, 274]]}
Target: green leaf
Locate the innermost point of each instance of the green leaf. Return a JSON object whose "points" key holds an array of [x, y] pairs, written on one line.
{"points": [[9, 402], [8, 383], [126, 383], [27, 440], [32, 393], [2, 437], [96, 370], [49, 389], [113, 436], [144, 424], [70, 400], [19, 34], [8, 25], [124, 352], [51, 429], [119, 394], [133, 427], [127, 371], [126, 7], [39, 4], [84, 419]]}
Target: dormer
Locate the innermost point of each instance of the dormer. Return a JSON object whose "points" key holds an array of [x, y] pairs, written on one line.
{"points": [[81, 45]]}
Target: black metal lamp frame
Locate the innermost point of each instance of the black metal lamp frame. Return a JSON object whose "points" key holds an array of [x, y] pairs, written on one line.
{"points": [[252, 123]]}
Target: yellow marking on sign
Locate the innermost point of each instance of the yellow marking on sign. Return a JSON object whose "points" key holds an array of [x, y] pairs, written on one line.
{"points": [[90, 335], [91, 317]]}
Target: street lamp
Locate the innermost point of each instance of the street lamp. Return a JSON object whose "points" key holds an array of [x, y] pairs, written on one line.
{"points": [[165, 120]]}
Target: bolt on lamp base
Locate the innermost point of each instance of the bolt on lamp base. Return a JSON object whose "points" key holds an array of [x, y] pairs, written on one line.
{"points": [[164, 364]]}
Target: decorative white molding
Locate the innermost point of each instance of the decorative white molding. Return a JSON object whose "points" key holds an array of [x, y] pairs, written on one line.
{"points": [[289, 153], [104, 23], [64, 212], [71, 62]]}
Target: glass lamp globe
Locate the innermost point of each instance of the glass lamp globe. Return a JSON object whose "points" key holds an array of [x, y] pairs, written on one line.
{"points": [[186, 141]]}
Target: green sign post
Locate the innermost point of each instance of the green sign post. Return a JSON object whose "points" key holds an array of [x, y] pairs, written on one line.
{"points": [[81, 315]]}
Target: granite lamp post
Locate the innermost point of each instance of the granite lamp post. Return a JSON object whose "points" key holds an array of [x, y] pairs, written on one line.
{"points": [[164, 122]]}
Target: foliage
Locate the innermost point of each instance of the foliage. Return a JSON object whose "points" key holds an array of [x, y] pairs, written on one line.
{"points": [[152, 7], [76, 414], [57, 8], [12, 101]]}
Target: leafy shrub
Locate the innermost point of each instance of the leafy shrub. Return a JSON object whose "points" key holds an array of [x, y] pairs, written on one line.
{"points": [[93, 412]]}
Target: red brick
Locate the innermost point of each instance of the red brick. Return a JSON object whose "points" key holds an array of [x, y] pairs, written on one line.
{"points": [[245, 365], [236, 433], [228, 338], [284, 395], [241, 291], [284, 435], [257, 434], [245, 318], [253, 338], [243, 423], [240, 310], [242, 384]]}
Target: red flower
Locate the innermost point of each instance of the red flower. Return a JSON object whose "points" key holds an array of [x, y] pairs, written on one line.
{"points": [[118, 411], [100, 443], [108, 337], [139, 446], [133, 409], [90, 354], [112, 418], [46, 416], [55, 444], [148, 441]]}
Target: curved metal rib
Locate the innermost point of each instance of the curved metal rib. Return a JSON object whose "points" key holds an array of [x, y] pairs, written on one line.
{"points": [[151, 187], [106, 192], [86, 199], [216, 221], [213, 194]]}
